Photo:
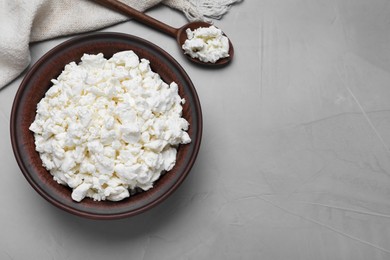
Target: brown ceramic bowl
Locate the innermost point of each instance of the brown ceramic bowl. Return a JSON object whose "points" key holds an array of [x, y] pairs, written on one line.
{"points": [[37, 82]]}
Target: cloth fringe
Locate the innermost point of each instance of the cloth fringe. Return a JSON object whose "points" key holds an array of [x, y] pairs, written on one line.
{"points": [[202, 10], [209, 9]]}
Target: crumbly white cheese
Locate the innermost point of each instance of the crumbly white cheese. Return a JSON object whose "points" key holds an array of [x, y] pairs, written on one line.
{"points": [[107, 127], [208, 44]]}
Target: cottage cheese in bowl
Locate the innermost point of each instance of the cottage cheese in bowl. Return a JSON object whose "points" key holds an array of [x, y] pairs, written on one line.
{"points": [[108, 127]]}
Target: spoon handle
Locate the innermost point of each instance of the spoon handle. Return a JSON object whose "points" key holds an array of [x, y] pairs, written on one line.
{"points": [[139, 16]]}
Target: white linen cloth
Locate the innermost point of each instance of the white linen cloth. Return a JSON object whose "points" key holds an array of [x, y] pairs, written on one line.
{"points": [[25, 21]]}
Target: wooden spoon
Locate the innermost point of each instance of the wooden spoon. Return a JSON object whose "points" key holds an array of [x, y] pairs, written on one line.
{"points": [[178, 33]]}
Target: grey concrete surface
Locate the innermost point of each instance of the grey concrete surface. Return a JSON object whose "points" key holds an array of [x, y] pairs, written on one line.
{"points": [[295, 157]]}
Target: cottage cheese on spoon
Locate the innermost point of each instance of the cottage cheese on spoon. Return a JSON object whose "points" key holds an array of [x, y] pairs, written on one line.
{"points": [[208, 44], [108, 127]]}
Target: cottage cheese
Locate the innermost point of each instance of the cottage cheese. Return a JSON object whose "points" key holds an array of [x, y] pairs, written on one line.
{"points": [[207, 44], [107, 127]]}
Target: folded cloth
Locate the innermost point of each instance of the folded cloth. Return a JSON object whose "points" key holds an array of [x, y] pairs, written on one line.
{"points": [[25, 21]]}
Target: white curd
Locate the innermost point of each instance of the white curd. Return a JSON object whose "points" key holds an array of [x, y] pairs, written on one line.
{"points": [[107, 127], [208, 44]]}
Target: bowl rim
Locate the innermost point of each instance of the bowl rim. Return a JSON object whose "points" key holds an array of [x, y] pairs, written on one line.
{"points": [[18, 147]]}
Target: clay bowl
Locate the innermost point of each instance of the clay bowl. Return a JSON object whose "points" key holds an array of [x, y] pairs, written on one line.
{"points": [[37, 82]]}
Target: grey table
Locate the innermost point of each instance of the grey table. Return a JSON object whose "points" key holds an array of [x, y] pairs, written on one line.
{"points": [[294, 162]]}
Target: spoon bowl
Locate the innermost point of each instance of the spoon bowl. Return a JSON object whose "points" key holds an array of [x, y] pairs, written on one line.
{"points": [[178, 33], [181, 37]]}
